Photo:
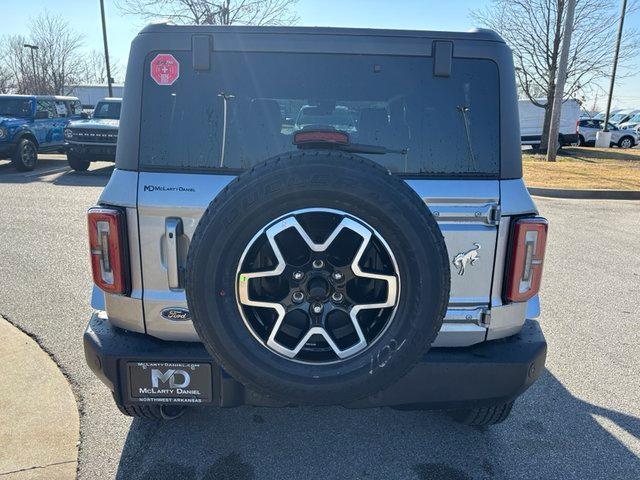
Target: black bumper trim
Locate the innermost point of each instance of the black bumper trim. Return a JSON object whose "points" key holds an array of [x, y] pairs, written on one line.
{"points": [[485, 374]]}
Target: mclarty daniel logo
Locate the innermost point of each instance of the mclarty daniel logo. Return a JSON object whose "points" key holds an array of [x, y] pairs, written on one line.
{"points": [[165, 188], [170, 376], [172, 381]]}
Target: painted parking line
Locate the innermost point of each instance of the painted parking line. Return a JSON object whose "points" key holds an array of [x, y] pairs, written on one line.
{"points": [[50, 171]]}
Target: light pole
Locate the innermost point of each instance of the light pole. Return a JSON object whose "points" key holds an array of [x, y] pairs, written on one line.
{"points": [[33, 65], [615, 65], [106, 48]]}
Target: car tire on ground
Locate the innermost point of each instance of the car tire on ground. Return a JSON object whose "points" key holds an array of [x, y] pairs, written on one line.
{"points": [[481, 417], [581, 141], [25, 156], [625, 142], [77, 163], [324, 191]]}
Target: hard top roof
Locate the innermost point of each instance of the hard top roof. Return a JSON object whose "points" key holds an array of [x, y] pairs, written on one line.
{"points": [[480, 34]]}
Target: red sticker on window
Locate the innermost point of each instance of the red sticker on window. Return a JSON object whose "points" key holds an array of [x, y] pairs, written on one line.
{"points": [[165, 69]]}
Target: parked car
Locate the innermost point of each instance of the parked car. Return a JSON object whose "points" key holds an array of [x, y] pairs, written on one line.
{"points": [[532, 119], [622, 116], [238, 263], [338, 117], [587, 130], [631, 124], [32, 124], [94, 139], [601, 115]]}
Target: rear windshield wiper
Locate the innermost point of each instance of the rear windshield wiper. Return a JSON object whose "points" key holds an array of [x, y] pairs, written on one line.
{"points": [[373, 149]]}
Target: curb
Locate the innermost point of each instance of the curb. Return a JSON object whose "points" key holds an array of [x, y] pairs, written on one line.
{"points": [[585, 194], [40, 426]]}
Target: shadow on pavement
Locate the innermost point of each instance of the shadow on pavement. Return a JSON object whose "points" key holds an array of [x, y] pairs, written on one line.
{"points": [[97, 177], [550, 434], [55, 171]]}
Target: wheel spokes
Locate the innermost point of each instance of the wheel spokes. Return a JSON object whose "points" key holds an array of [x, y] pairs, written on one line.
{"points": [[314, 329]]}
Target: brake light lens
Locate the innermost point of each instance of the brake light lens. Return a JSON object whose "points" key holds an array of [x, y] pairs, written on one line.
{"points": [[109, 252], [320, 136], [529, 239]]}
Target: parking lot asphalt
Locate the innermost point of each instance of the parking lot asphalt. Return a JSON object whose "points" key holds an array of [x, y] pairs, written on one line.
{"points": [[581, 420]]}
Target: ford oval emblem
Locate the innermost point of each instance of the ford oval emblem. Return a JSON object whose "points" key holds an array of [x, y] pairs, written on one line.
{"points": [[177, 314]]}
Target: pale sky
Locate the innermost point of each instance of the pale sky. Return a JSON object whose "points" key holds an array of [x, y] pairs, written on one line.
{"points": [[84, 15]]}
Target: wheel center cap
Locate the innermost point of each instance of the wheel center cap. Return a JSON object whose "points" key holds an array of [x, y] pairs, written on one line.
{"points": [[318, 288]]}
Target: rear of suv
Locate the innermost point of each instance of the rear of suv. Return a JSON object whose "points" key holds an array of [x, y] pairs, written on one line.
{"points": [[291, 222]]}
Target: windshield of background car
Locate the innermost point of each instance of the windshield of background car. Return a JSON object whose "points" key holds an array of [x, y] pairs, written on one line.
{"points": [[448, 125], [617, 117], [338, 118], [634, 119], [109, 110], [16, 107]]}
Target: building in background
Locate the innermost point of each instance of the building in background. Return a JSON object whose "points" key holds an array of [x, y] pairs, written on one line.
{"points": [[90, 95]]}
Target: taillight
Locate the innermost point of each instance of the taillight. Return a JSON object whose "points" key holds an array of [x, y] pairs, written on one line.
{"points": [[528, 242], [109, 251]]}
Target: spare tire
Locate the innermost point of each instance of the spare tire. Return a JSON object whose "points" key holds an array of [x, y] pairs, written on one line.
{"points": [[317, 277]]}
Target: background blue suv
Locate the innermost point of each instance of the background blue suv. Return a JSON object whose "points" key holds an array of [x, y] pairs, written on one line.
{"points": [[34, 123]]}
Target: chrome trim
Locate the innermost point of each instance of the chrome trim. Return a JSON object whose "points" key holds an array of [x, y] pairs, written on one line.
{"points": [[488, 213], [172, 231], [476, 316], [459, 335], [91, 144]]}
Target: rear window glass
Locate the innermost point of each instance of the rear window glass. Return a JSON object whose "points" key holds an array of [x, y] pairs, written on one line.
{"points": [[437, 125]]}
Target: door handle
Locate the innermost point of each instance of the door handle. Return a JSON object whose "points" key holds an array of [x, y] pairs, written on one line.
{"points": [[173, 230]]}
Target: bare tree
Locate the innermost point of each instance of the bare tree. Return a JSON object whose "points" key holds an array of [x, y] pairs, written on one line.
{"points": [[17, 65], [94, 69], [534, 29], [59, 60], [214, 12], [60, 54], [5, 82]]}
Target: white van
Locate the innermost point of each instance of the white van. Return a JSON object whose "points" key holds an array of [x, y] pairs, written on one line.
{"points": [[532, 119]]}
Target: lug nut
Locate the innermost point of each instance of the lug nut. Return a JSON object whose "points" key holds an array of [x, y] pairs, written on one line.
{"points": [[317, 264], [316, 308], [298, 275], [337, 297], [337, 276], [297, 297]]}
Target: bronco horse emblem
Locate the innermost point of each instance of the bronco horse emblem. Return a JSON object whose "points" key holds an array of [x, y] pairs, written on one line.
{"points": [[461, 260]]}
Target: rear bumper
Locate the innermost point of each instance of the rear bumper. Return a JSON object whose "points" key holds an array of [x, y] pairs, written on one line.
{"points": [[569, 138], [446, 378]]}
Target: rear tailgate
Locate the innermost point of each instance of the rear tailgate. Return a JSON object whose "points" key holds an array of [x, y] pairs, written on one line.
{"points": [[170, 206]]}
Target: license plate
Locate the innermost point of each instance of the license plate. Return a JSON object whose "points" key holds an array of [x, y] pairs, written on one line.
{"points": [[166, 382]]}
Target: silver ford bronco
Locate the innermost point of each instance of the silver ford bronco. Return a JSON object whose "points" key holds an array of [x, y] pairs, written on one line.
{"points": [[317, 216]]}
